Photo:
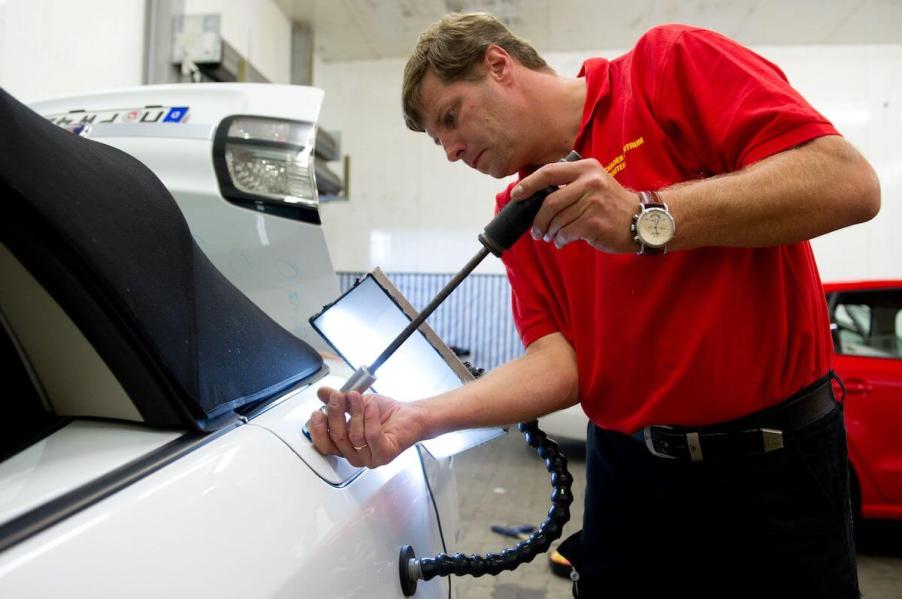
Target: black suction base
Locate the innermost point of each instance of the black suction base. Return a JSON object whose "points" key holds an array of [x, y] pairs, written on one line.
{"points": [[408, 584]]}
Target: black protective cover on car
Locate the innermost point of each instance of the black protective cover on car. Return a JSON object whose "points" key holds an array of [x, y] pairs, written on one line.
{"points": [[103, 235]]}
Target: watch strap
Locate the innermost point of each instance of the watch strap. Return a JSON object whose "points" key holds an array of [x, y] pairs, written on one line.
{"points": [[651, 199]]}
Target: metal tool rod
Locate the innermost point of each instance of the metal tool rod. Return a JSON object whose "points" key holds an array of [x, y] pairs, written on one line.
{"points": [[429, 309], [365, 376]]}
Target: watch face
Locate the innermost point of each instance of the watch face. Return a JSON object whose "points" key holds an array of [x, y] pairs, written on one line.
{"points": [[655, 227]]}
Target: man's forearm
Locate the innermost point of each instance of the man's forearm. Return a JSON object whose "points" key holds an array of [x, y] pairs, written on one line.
{"points": [[538, 383], [795, 195]]}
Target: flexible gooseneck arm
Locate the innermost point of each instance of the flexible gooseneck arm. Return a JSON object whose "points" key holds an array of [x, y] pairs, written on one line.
{"points": [[412, 569]]}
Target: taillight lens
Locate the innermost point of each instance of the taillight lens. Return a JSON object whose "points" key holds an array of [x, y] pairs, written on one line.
{"points": [[267, 162], [285, 175]]}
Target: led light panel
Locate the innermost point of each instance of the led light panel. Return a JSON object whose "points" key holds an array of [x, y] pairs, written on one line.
{"points": [[364, 321]]}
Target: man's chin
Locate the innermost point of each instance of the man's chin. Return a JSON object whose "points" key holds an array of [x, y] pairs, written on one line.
{"points": [[497, 171], [500, 172]]}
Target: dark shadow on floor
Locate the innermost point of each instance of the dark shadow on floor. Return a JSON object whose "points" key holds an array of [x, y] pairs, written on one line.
{"points": [[879, 537]]}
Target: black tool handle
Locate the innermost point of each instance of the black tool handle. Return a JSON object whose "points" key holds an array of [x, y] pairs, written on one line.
{"points": [[516, 218]]}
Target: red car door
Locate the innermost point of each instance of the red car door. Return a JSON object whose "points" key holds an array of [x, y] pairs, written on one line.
{"points": [[867, 332]]}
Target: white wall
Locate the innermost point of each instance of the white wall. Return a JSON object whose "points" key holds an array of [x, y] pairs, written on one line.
{"points": [[859, 89], [257, 29], [410, 210], [50, 48], [59, 47]]}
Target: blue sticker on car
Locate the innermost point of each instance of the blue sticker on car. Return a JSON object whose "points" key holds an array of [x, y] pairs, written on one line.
{"points": [[175, 114]]}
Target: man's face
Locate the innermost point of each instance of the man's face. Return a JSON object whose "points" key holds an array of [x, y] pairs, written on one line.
{"points": [[474, 121]]}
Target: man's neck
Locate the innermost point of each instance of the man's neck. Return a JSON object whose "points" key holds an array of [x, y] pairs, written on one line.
{"points": [[559, 103]]}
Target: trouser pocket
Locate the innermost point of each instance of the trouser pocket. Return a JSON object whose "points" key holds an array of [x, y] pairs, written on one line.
{"points": [[822, 453]]}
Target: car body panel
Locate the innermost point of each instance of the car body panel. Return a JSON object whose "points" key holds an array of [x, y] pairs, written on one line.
{"points": [[873, 408], [240, 517], [207, 103], [861, 285], [569, 423], [76, 454], [286, 419], [872, 426]]}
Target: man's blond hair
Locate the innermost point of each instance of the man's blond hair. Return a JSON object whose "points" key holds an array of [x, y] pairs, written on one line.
{"points": [[453, 49]]}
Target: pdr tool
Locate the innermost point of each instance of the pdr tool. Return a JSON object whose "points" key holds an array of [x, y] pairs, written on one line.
{"points": [[498, 236]]}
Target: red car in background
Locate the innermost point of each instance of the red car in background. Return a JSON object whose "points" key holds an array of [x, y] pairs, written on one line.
{"points": [[866, 322]]}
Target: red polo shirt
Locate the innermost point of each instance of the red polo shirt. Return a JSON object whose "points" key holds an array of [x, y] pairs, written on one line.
{"points": [[692, 337]]}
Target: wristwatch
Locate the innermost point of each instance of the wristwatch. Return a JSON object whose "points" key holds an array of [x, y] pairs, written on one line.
{"points": [[653, 226]]}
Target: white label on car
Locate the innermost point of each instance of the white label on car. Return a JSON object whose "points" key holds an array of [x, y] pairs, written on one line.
{"points": [[148, 114]]}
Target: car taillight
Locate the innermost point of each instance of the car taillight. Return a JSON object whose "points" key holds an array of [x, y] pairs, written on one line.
{"points": [[268, 165]]}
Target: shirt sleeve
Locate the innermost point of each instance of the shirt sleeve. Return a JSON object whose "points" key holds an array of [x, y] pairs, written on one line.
{"points": [[731, 106], [533, 313]]}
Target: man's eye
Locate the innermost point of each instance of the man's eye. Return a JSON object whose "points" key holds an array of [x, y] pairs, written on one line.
{"points": [[449, 119]]}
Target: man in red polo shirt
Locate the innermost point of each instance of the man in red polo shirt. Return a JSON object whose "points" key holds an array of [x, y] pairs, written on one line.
{"points": [[668, 287]]}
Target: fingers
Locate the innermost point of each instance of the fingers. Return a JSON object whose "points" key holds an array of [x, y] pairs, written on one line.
{"points": [[338, 427], [378, 444], [355, 424], [332, 434], [559, 210], [318, 425], [362, 452], [557, 173], [319, 433], [589, 205], [578, 182], [569, 234], [324, 393], [566, 227], [360, 438]]}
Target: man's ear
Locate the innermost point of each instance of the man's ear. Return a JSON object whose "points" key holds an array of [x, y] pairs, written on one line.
{"points": [[497, 63]]}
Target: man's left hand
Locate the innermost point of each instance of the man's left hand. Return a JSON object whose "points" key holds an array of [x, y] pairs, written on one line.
{"points": [[590, 205]]}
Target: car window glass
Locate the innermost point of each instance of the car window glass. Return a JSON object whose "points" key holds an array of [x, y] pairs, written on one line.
{"points": [[26, 419], [869, 323]]}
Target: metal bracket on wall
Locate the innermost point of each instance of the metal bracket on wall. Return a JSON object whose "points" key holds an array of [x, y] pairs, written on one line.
{"points": [[203, 55]]}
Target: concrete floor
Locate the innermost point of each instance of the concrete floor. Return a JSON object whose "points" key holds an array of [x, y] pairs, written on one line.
{"points": [[506, 483]]}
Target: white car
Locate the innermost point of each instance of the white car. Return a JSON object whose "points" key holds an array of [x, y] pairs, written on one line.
{"points": [[566, 425], [152, 444]]}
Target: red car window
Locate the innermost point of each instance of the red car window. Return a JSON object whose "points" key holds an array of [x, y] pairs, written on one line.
{"points": [[868, 323]]}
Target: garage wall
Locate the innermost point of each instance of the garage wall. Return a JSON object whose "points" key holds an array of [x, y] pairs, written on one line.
{"points": [[411, 211], [54, 47], [257, 29], [50, 48], [860, 91]]}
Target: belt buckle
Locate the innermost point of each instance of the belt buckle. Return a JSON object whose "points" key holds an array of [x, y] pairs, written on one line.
{"points": [[771, 439], [650, 444]]}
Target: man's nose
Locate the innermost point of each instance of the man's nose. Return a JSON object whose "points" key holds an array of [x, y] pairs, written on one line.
{"points": [[454, 149]]}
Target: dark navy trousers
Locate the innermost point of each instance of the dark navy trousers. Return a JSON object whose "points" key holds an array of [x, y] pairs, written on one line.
{"points": [[768, 525]]}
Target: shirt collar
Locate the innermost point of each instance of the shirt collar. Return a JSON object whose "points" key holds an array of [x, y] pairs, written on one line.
{"points": [[598, 87]]}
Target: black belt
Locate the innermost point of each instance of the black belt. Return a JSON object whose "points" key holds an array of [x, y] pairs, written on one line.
{"points": [[761, 432]]}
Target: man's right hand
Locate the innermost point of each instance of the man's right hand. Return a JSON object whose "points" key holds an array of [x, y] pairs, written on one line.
{"points": [[543, 380], [379, 428]]}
